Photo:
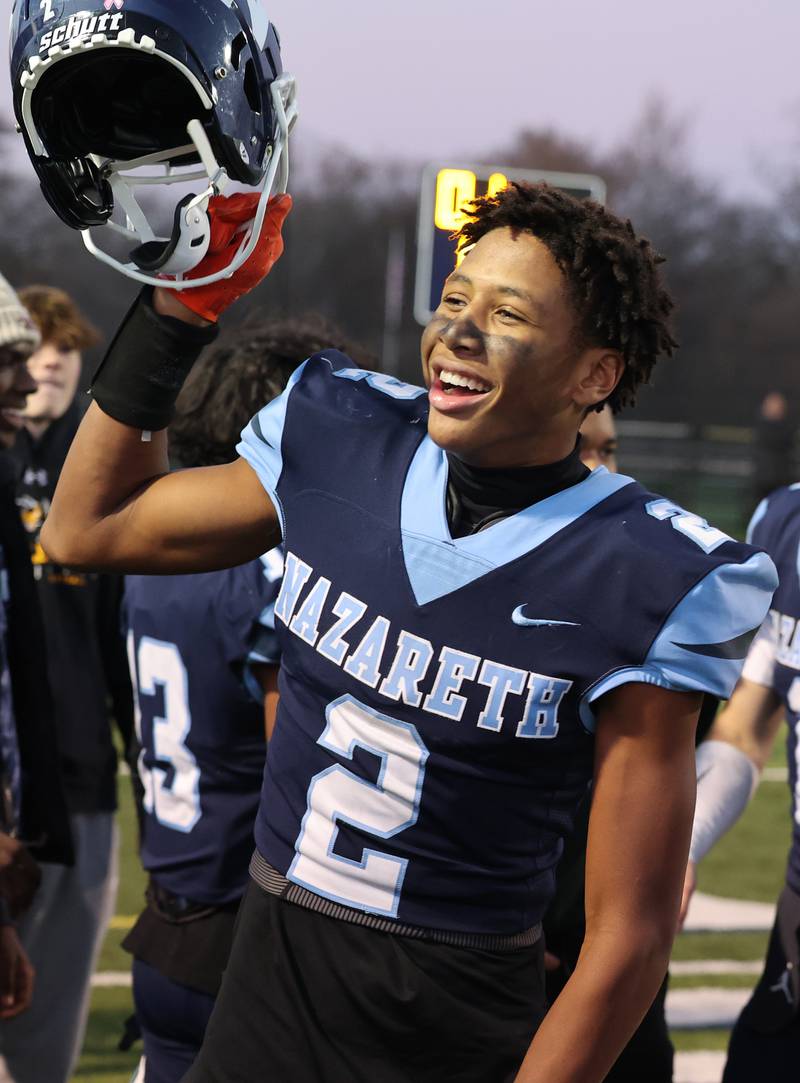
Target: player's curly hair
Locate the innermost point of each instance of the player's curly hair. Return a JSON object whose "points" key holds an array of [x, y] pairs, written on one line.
{"points": [[245, 370], [612, 274]]}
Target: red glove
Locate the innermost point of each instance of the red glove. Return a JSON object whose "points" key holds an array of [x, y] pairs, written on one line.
{"points": [[227, 214]]}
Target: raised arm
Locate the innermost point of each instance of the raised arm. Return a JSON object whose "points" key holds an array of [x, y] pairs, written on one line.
{"points": [[638, 840], [117, 507]]}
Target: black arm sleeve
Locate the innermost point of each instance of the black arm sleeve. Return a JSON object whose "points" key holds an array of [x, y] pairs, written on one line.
{"points": [[147, 364]]}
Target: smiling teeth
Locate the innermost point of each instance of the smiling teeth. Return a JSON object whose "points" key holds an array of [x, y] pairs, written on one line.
{"points": [[462, 381]]}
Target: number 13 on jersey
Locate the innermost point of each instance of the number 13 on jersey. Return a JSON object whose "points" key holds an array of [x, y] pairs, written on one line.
{"points": [[157, 667]]}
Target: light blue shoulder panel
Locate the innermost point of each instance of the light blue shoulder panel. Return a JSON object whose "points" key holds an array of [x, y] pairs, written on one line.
{"points": [[703, 645], [260, 445]]}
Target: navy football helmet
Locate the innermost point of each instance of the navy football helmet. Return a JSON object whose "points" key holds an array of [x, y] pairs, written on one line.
{"points": [[112, 96]]}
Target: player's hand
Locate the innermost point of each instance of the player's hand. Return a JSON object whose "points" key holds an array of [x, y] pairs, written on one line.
{"points": [[551, 962], [228, 214], [16, 974], [689, 885], [20, 876]]}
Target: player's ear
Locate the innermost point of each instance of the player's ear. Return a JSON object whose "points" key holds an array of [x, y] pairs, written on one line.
{"points": [[599, 371]]}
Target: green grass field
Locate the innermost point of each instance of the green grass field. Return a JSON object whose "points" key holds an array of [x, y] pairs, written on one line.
{"points": [[747, 864], [101, 1061]]}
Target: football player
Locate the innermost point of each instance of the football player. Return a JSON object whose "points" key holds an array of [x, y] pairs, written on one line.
{"points": [[472, 626], [203, 656], [766, 1039]]}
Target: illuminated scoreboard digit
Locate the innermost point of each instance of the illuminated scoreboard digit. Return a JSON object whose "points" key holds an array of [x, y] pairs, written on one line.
{"points": [[445, 191]]}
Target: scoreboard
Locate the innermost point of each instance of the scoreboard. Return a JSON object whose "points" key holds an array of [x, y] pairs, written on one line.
{"points": [[444, 192]]}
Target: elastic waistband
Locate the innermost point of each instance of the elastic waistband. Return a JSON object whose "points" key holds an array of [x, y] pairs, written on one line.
{"points": [[275, 883], [175, 908]]}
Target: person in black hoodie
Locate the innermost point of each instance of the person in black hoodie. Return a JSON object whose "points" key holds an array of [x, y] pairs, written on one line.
{"points": [[88, 678], [32, 809]]}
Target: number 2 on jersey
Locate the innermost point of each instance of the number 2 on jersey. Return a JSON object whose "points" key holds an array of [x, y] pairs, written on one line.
{"points": [[383, 808], [157, 665], [708, 538]]}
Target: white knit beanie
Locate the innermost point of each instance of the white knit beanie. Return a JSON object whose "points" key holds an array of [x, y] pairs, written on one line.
{"points": [[17, 329]]}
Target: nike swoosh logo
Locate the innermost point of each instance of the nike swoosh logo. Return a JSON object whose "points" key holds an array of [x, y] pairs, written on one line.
{"points": [[732, 649], [529, 622]]}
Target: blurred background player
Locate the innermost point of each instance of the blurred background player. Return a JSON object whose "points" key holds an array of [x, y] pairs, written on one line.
{"points": [[773, 446], [32, 810], [85, 665], [599, 440], [765, 1043], [204, 656]]}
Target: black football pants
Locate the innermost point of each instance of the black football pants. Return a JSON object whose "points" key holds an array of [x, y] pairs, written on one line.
{"points": [[310, 999]]}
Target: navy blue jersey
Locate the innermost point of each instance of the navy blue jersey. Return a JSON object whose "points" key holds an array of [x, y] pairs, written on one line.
{"points": [[774, 659], [191, 639], [437, 694]]}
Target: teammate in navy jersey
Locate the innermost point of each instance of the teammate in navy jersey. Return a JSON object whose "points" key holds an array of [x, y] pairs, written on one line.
{"points": [[464, 605], [765, 1042], [203, 655]]}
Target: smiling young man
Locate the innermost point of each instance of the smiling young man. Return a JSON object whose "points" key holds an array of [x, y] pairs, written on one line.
{"points": [[451, 639]]}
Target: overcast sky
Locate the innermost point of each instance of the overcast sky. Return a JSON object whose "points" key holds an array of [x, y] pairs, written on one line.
{"points": [[433, 78]]}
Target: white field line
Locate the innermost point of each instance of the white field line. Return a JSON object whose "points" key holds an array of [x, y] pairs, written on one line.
{"points": [[691, 967], [704, 1008], [699, 1067], [709, 913], [112, 979], [775, 774]]}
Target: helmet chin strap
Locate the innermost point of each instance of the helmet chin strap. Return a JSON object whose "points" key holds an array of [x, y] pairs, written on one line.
{"points": [[174, 256], [191, 229], [191, 235]]}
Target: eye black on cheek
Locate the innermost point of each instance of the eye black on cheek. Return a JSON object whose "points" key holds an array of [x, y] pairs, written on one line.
{"points": [[510, 347], [437, 327]]}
